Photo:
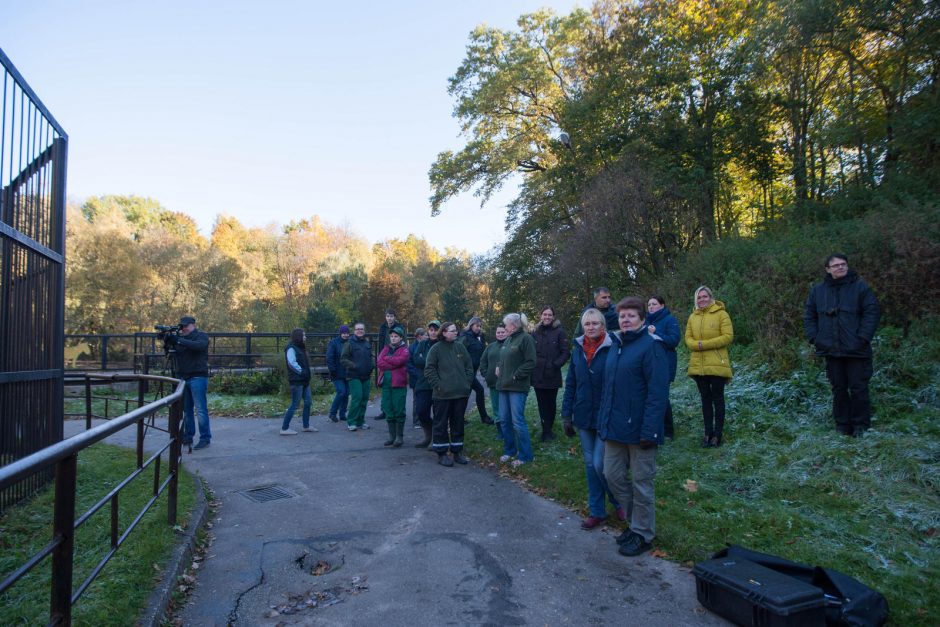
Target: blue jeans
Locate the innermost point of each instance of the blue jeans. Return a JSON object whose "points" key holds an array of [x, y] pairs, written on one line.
{"points": [[515, 430], [341, 400], [494, 405], [298, 391], [194, 399], [593, 449]]}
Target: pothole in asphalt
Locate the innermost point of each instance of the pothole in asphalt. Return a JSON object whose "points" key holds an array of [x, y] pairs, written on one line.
{"points": [[314, 599], [318, 565]]}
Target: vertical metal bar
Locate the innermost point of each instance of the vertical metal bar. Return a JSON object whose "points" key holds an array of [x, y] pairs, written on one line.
{"points": [[176, 451], [63, 530], [57, 204], [248, 361], [104, 352], [141, 390], [115, 511], [87, 403], [156, 476], [140, 443]]}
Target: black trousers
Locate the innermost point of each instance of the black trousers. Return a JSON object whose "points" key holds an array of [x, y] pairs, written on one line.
{"points": [[477, 388], [547, 400], [668, 427], [447, 425], [422, 403], [851, 405], [712, 391]]}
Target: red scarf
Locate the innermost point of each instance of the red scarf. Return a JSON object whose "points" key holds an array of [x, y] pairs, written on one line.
{"points": [[591, 346]]}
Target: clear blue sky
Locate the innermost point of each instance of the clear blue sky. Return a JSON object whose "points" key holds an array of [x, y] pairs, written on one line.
{"points": [[265, 111]]}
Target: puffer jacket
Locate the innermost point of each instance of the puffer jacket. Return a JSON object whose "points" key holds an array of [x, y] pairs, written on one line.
{"points": [[712, 327], [419, 358], [841, 316], [516, 363], [667, 329], [475, 345], [584, 384], [394, 360], [489, 361], [334, 351], [449, 370], [636, 386], [551, 353], [357, 358]]}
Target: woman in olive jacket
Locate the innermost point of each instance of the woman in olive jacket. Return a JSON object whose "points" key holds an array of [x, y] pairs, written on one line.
{"points": [[551, 353], [448, 371], [708, 334]]}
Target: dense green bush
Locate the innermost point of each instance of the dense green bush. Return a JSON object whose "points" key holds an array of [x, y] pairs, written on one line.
{"points": [[764, 280], [267, 381]]}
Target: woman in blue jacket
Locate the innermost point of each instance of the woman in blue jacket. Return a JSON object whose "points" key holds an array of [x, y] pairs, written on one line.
{"points": [[662, 324], [584, 386], [630, 421]]}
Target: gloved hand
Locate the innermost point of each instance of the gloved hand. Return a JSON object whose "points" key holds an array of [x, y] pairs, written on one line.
{"points": [[569, 429], [647, 444], [170, 339]]}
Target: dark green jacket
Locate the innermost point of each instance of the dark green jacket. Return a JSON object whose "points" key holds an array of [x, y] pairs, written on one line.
{"points": [[489, 361], [516, 363], [449, 370]]}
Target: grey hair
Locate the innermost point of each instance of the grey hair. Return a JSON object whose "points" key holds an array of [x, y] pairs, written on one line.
{"points": [[514, 319], [591, 312]]}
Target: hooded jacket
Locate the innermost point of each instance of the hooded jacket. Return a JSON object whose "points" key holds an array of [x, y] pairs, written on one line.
{"points": [[636, 386], [516, 363], [394, 360], [475, 345], [841, 316], [334, 351], [667, 329], [357, 358], [712, 327], [584, 384], [449, 370], [551, 353]]}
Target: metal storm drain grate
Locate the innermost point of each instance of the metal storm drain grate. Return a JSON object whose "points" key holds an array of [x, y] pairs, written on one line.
{"points": [[267, 493]]}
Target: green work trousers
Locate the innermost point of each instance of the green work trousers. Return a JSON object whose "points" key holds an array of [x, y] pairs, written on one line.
{"points": [[358, 400]]}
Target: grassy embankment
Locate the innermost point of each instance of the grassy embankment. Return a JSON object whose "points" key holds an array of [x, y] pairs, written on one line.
{"points": [[785, 483], [118, 595]]}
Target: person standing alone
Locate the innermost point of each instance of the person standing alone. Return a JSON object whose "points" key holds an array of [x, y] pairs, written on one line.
{"points": [[298, 375], [840, 319]]}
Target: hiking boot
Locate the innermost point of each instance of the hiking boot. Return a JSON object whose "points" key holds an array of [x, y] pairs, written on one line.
{"points": [[202, 444], [459, 458], [623, 537], [635, 545], [333, 418], [592, 521], [444, 460]]}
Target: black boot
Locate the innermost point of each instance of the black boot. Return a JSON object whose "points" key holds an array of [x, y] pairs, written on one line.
{"points": [[444, 460], [485, 419], [547, 435], [427, 438], [399, 433], [391, 434]]}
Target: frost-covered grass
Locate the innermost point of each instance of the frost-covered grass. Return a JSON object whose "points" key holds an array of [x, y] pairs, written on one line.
{"points": [[785, 483]]}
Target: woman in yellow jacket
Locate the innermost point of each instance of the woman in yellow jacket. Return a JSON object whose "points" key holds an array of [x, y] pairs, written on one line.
{"points": [[707, 335]]}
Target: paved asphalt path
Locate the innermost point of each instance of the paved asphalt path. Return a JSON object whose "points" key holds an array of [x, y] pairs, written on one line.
{"points": [[380, 536]]}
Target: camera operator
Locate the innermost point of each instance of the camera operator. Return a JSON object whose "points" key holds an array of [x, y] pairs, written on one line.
{"points": [[192, 365]]}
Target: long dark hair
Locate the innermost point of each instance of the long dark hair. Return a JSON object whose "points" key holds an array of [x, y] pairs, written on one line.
{"points": [[297, 338]]}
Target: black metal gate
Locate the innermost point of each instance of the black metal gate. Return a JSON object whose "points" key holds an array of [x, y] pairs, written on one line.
{"points": [[33, 157]]}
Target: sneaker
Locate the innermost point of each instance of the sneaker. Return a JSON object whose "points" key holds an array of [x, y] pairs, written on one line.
{"points": [[635, 545], [592, 521], [444, 460], [459, 458], [417, 425], [351, 427], [365, 426], [201, 444], [288, 432], [333, 418], [621, 513], [516, 463], [623, 537], [504, 458], [310, 430]]}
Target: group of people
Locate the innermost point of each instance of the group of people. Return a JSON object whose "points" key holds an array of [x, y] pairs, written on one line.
{"points": [[616, 391]]}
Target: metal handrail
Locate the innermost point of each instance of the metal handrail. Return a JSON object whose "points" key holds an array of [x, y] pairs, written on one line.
{"points": [[64, 456]]}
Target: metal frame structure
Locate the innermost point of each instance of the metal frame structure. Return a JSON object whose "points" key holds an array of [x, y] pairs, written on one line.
{"points": [[33, 159]]}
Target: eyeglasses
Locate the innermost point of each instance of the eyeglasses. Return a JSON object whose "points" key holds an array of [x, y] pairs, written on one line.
{"points": [[360, 329], [838, 265]]}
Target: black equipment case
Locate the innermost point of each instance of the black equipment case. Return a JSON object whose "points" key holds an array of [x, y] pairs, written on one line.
{"points": [[749, 594]]}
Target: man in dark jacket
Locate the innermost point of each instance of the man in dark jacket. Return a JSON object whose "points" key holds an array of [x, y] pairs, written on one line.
{"points": [[192, 366], [357, 359], [602, 300], [334, 351], [473, 340], [840, 319]]}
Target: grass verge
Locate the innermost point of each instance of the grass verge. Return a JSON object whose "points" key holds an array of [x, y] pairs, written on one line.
{"points": [[119, 594], [785, 483]]}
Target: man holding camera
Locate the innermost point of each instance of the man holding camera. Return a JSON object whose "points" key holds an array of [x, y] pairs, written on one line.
{"points": [[192, 366], [840, 319]]}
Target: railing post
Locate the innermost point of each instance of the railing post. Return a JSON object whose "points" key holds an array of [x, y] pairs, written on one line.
{"points": [[140, 443], [176, 451], [248, 360], [87, 403], [104, 352], [63, 530]]}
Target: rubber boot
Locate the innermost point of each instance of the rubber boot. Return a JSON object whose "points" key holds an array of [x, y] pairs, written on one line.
{"points": [[547, 434], [427, 438], [391, 434], [399, 433]]}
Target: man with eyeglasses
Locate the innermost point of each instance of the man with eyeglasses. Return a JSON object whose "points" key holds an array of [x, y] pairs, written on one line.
{"points": [[840, 319], [357, 359]]}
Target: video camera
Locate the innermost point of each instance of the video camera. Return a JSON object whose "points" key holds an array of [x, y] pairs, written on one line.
{"points": [[168, 334], [166, 329]]}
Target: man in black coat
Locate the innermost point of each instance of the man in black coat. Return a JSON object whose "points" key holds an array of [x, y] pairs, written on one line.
{"points": [[840, 319], [602, 303], [192, 366]]}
